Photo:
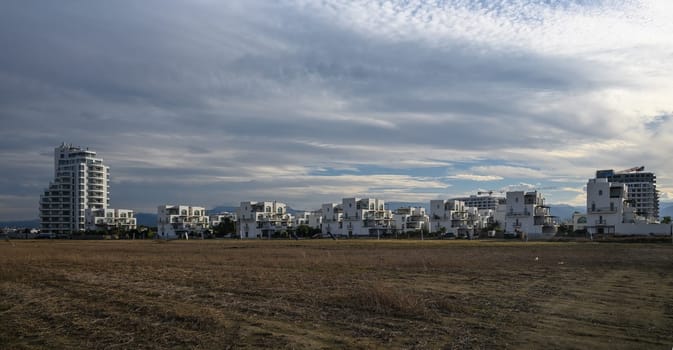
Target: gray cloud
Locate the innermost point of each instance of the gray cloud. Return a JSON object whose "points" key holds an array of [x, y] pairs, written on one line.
{"points": [[184, 99]]}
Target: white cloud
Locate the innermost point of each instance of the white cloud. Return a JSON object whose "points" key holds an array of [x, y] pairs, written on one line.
{"points": [[510, 171], [475, 177]]}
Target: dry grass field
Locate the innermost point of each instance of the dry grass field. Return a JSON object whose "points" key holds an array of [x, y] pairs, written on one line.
{"points": [[335, 294]]}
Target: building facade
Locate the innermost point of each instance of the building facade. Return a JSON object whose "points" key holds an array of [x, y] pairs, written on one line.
{"points": [[180, 221], [81, 182]]}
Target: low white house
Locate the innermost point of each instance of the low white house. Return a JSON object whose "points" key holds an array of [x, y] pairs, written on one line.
{"points": [[579, 221], [108, 219], [609, 211], [527, 215], [179, 221], [263, 219]]}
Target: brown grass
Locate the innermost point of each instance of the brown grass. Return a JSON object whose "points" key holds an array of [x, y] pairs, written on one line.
{"points": [[326, 294]]}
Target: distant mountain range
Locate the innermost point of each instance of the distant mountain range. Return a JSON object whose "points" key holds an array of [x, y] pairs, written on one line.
{"points": [[562, 211]]}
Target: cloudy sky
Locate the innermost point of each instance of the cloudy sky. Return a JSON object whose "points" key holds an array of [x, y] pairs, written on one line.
{"points": [[306, 101]]}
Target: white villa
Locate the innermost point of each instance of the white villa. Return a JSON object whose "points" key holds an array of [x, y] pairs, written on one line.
{"points": [[178, 221], [365, 217], [454, 218], [527, 215], [263, 219], [107, 219]]}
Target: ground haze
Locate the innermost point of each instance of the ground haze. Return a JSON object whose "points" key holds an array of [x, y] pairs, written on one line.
{"points": [[335, 294]]}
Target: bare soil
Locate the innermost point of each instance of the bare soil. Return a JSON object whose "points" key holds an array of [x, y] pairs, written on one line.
{"points": [[335, 294]]}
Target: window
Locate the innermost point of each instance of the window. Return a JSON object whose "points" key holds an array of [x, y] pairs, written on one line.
{"points": [[600, 192]]}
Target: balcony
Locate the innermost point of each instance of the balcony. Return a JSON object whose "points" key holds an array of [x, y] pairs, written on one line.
{"points": [[594, 210]]}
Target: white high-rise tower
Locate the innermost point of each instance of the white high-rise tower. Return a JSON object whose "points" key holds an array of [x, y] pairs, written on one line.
{"points": [[81, 181]]}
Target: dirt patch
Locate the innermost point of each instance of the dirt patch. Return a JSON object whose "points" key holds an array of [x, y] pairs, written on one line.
{"points": [[343, 294]]}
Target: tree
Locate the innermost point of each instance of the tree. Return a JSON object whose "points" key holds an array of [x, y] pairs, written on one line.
{"points": [[303, 231], [666, 220], [224, 228]]}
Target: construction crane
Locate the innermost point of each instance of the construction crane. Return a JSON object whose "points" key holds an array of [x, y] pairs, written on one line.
{"points": [[630, 170]]}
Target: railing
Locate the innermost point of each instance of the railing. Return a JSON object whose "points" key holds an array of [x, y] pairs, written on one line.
{"points": [[519, 213], [603, 210]]}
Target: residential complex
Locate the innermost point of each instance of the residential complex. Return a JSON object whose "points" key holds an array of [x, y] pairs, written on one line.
{"points": [[618, 202]]}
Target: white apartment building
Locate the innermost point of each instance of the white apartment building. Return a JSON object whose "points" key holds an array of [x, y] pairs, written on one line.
{"points": [[527, 215], [454, 218], [109, 219], [332, 219], [363, 217], [482, 202], [409, 219], [609, 211], [81, 182], [263, 219], [179, 221]]}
